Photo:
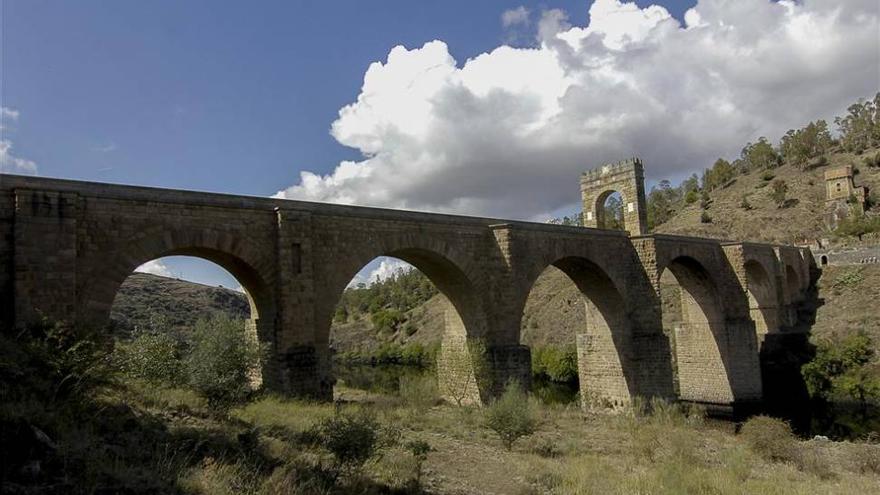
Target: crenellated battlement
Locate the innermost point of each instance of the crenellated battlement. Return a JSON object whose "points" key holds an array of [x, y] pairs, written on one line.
{"points": [[629, 165]]}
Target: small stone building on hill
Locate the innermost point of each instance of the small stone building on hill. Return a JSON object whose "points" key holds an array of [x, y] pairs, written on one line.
{"points": [[842, 197]]}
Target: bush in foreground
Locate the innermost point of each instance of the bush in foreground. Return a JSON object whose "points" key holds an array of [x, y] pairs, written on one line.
{"points": [[511, 415], [353, 438], [770, 438], [221, 361], [153, 356]]}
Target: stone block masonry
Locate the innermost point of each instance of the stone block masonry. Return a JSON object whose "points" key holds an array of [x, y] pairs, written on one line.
{"points": [[67, 246]]}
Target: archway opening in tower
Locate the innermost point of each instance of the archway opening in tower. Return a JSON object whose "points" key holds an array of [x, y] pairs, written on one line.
{"points": [[575, 323], [395, 321], [610, 211], [177, 320]]}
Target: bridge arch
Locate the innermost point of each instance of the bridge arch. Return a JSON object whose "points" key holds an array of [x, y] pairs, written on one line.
{"points": [[693, 315], [603, 342], [465, 321], [763, 300], [792, 284], [108, 269]]}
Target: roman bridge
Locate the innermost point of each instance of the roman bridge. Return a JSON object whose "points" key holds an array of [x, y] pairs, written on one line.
{"points": [[67, 246]]}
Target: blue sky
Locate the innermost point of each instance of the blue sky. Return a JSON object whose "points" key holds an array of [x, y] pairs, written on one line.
{"points": [[240, 97]]}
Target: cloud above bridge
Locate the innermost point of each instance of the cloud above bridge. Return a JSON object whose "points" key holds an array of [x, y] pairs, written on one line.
{"points": [[9, 162], [507, 132]]}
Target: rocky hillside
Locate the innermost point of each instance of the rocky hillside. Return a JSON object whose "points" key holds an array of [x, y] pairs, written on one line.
{"points": [[801, 218], [150, 301]]}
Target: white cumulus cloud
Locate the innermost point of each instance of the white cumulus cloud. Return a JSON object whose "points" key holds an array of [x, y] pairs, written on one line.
{"points": [[507, 133], [155, 267], [8, 161], [387, 268]]}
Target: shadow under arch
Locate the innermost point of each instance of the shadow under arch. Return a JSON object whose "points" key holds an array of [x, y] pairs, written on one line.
{"points": [[694, 319], [602, 220], [605, 371], [763, 301], [464, 321]]}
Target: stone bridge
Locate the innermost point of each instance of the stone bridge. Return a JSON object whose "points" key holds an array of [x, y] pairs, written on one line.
{"points": [[67, 246]]}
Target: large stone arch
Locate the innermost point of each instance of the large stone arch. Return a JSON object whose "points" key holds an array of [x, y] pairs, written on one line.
{"points": [[701, 340], [458, 282], [105, 269], [604, 346], [763, 298]]}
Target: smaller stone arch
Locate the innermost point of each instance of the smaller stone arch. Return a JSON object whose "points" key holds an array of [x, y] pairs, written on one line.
{"points": [[602, 220]]}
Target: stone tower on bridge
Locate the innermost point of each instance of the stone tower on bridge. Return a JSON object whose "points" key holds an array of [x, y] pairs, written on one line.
{"points": [[626, 178]]}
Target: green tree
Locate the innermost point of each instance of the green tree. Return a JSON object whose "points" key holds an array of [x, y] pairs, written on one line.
{"points": [[843, 368], [720, 174], [801, 145], [759, 156], [860, 127], [778, 192], [614, 212]]}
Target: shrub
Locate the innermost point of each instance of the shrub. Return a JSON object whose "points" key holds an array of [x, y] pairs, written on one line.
{"points": [[872, 161], [71, 360], [419, 392], [419, 450], [691, 197], [511, 415], [768, 176], [353, 438], [705, 217], [221, 361], [387, 320], [153, 356], [744, 203], [857, 226], [558, 364], [864, 457], [770, 438]]}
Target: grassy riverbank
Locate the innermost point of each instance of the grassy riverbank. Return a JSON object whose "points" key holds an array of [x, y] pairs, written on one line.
{"points": [[135, 438]]}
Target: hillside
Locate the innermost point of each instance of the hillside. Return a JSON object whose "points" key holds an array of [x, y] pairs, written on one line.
{"points": [[147, 301], [800, 220]]}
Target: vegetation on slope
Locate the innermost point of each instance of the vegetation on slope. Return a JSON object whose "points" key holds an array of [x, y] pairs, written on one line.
{"points": [[776, 193], [146, 301]]}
